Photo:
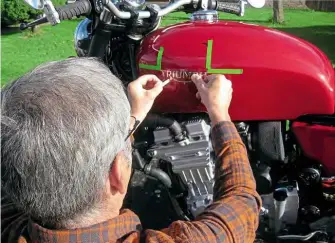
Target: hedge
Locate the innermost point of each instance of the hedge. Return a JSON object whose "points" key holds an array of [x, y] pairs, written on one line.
{"points": [[17, 11]]}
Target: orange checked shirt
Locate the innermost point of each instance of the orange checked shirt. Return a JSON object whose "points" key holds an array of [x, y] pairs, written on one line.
{"points": [[233, 216]]}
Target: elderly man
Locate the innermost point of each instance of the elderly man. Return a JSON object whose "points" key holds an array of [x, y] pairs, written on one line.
{"points": [[66, 167]]}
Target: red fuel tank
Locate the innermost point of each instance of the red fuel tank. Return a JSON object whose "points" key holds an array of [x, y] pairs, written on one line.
{"points": [[275, 76], [317, 142]]}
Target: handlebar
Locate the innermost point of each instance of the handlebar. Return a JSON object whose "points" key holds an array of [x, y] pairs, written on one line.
{"points": [[146, 14], [84, 7], [232, 7], [78, 8]]}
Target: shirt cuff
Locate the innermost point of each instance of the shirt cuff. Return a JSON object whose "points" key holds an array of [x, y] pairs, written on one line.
{"points": [[223, 132]]}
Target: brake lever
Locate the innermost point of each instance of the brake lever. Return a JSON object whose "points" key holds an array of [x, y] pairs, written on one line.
{"points": [[51, 13]]}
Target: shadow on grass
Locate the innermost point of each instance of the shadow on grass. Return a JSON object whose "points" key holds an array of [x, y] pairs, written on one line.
{"points": [[321, 36], [10, 30]]}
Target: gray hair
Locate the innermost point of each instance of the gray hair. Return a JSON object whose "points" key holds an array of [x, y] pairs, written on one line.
{"points": [[62, 126]]}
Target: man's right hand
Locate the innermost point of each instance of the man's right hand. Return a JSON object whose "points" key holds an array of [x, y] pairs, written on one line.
{"points": [[215, 92], [142, 94]]}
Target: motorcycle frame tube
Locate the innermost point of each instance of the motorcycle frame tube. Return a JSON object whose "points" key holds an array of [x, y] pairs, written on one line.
{"points": [[99, 40]]}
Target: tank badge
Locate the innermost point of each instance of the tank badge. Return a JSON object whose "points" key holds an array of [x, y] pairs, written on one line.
{"points": [[209, 69], [182, 76]]}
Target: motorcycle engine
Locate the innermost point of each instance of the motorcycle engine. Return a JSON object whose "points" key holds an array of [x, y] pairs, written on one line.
{"points": [[192, 159], [184, 158]]}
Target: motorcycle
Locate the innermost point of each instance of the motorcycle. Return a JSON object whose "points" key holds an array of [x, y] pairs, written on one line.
{"points": [[283, 109]]}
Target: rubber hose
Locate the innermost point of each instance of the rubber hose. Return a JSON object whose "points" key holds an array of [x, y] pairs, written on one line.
{"points": [[151, 171], [154, 121], [138, 161], [160, 175]]}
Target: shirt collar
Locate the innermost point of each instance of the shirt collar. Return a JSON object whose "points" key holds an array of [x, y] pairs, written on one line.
{"points": [[109, 231]]}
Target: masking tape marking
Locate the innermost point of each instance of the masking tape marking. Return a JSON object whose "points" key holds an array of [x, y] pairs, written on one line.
{"points": [[217, 70], [158, 65]]}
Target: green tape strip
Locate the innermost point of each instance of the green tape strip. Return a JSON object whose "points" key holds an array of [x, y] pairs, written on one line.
{"points": [[214, 70], [158, 65], [209, 54]]}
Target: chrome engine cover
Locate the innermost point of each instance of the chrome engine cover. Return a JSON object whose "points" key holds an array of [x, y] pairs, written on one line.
{"points": [[192, 159]]}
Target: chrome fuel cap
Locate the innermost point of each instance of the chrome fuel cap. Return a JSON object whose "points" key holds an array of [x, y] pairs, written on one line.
{"points": [[205, 15]]}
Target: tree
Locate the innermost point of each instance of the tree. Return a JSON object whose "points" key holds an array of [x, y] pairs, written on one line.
{"points": [[321, 5], [15, 11], [278, 11]]}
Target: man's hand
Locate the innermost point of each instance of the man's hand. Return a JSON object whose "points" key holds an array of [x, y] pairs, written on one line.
{"points": [[215, 92], [142, 94]]}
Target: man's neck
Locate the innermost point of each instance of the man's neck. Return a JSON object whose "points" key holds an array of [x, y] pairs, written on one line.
{"points": [[100, 214]]}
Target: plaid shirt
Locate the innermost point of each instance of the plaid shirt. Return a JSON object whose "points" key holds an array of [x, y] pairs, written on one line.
{"points": [[233, 217]]}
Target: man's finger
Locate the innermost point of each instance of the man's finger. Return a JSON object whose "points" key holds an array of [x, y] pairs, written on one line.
{"points": [[195, 77], [148, 78], [198, 81], [156, 90], [215, 80], [210, 78]]}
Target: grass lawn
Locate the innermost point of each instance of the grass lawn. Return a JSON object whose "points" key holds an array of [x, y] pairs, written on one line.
{"points": [[22, 51]]}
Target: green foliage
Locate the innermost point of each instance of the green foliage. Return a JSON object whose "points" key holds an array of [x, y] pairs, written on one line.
{"points": [[59, 2], [16, 11]]}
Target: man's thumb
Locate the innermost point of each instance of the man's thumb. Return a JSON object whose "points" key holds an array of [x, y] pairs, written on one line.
{"points": [[157, 89]]}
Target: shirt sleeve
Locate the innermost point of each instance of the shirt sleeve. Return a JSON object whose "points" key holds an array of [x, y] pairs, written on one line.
{"points": [[233, 216]]}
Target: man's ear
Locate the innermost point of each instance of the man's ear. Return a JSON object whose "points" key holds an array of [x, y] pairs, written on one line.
{"points": [[118, 174]]}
